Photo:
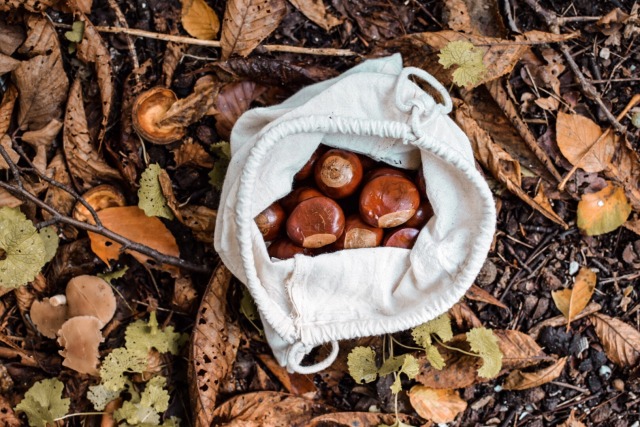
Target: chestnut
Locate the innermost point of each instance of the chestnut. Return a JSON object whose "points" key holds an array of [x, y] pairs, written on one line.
{"points": [[284, 248], [291, 200], [338, 173], [384, 172], [270, 221], [388, 201], [402, 238], [420, 183], [358, 234], [315, 222], [422, 216], [307, 169]]}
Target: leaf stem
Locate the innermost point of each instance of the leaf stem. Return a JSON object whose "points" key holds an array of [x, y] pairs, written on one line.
{"points": [[448, 347]]}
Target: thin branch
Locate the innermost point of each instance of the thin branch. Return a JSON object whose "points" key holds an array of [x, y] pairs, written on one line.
{"points": [[216, 43]]}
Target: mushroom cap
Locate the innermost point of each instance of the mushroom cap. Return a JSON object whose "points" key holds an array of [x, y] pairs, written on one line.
{"points": [[90, 296], [48, 318], [149, 109], [80, 336], [100, 197]]}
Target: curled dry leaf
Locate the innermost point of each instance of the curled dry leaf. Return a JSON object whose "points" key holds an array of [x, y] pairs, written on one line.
{"points": [[80, 336], [6, 112], [86, 164], [576, 136], [476, 293], [132, 223], [437, 405], [518, 380], [56, 197], [199, 19], [90, 296], [351, 419], [41, 140], [464, 316], [316, 11], [201, 220], [7, 64], [214, 343], [571, 302], [247, 22], [620, 340], [293, 383], [11, 37], [603, 211], [233, 100], [277, 72], [99, 197], [268, 408], [48, 318], [185, 295], [192, 154], [519, 351]]}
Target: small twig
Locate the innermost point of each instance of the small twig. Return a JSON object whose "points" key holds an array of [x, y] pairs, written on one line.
{"points": [[216, 43], [572, 387], [122, 20]]}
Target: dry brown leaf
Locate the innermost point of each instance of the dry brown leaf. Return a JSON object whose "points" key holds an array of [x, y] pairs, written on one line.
{"points": [[558, 321], [6, 112], [571, 302], [199, 20], [572, 421], [500, 56], [192, 154], [86, 165], [11, 37], [625, 169], [41, 37], [476, 293], [293, 383], [576, 135], [277, 72], [56, 197], [201, 220], [316, 11], [7, 64], [247, 22], [213, 347], [464, 316], [519, 350], [30, 5], [437, 405], [170, 61], [185, 295], [42, 84], [233, 100], [351, 419], [80, 336], [501, 165], [8, 418], [132, 223], [620, 340], [92, 49], [268, 408], [41, 140], [518, 380], [603, 211]]}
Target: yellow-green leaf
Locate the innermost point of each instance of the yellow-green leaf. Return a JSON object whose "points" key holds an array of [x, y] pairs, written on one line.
{"points": [[151, 200], [468, 58], [50, 239], [484, 342], [362, 364], [43, 403], [76, 33], [603, 211], [440, 326]]}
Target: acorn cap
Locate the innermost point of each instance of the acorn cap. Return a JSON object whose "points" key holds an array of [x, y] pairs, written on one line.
{"points": [[149, 109]]}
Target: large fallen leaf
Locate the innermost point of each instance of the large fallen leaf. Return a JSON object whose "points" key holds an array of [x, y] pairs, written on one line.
{"points": [[199, 19], [214, 343], [620, 340], [277, 72], [576, 136], [571, 302], [316, 11], [11, 37], [132, 223], [518, 380], [603, 211], [6, 113], [518, 349], [41, 140], [92, 49], [267, 408], [437, 405], [41, 80], [501, 165], [476, 293], [247, 22], [86, 165], [7, 64], [351, 419], [233, 100]]}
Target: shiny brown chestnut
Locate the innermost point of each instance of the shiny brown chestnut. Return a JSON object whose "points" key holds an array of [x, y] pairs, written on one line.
{"points": [[388, 201], [284, 248], [270, 221], [291, 200], [338, 173], [402, 238], [358, 234], [315, 222], [307, 169], [422, 216]]}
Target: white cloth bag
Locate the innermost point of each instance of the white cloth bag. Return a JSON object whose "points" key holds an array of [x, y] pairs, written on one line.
{"points": [[376, 110]]}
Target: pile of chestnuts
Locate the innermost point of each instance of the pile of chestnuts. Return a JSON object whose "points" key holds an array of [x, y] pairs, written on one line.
{"points": [[342, 200]]}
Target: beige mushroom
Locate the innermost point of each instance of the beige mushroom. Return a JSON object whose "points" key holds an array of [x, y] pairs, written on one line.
{"points": [[100, 197], [80, 336], [90, 296], [148, 111], [48, 317]]}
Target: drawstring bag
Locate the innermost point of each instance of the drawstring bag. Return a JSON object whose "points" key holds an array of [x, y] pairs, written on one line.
{"points": [[374, 109]]}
